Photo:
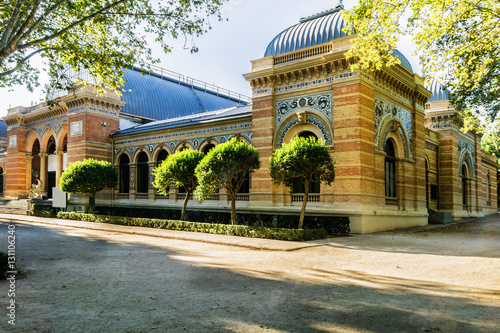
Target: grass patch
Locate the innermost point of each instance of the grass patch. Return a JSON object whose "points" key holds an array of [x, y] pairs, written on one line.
{"points": [[212, 228]]}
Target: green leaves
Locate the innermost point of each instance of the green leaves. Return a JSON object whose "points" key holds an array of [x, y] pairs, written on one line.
{"points": [[457, 42], [306, 159], [88, 176], [225, 166], [177, 170], [98, 36]]}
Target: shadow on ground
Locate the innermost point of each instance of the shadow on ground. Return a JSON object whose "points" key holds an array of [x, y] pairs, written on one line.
{"points": [[78, 282]]}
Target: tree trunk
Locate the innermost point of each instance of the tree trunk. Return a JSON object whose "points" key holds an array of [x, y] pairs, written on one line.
{"points": [[91, 203], [233, 209], [186, 199], [304, 203]]}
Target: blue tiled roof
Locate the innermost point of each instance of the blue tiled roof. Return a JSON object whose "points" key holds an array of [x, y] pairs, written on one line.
{"points": [[439, 93], [157, 97], [204, 117], [3, 129], [315, 30]]}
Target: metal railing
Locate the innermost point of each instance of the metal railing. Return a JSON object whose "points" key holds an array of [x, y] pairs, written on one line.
{"points": [[163, 73], [299, 197], [242, 197], [303, 54]]}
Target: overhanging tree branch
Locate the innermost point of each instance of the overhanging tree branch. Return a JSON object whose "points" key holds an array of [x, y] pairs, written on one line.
{"points": [[21, 62], [71, 26]]}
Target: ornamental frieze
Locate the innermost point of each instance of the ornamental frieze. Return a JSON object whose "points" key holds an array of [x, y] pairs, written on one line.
{"points": [[386, 111], [466, 148], [172, 145], [321, 102], [310, 119]]}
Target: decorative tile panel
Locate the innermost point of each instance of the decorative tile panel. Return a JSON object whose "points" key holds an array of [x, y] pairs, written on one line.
{"points": [[320, 102], [311, 119], [465, 147], [386, 111], [151, 176], [132, 178]]}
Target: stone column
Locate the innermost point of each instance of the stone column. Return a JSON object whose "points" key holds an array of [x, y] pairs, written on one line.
{"points": [[29, 167], [151, 177], [59, 164], [43, 172], [133, 176]]}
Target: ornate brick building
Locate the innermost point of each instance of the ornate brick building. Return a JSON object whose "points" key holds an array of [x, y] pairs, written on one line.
{"points": [[400, 155]]}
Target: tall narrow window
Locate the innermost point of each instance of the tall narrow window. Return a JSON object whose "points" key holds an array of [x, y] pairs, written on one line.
{"points": [[488, 191], [390, 170], [1, 181], [124, 174], [142, 173], [465, 193]]}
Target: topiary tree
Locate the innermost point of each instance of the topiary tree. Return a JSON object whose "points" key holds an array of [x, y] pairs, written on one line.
{"points": [[89, 177], [225, 166], [304, 159], [178, 170]]}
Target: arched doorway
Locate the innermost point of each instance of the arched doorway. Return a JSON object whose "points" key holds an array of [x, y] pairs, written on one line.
{"points": [[35, 162], [142, 173], [390, 170], [51, 166], [465, 189], [124, 186]]}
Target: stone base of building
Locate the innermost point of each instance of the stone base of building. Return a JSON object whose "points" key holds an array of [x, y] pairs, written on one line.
{"points": [[362, 221]]}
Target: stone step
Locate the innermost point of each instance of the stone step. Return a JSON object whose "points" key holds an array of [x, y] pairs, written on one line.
{"points": [[13, 206]]}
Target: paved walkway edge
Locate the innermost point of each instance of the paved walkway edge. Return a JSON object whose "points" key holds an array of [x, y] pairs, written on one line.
{"points": [[246, 242]]}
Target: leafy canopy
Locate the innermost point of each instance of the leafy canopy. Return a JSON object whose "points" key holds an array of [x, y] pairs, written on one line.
{"points": [[178, 170], [88, 176], [98, 36], [457, 42], [226, 166], [304, 159]]}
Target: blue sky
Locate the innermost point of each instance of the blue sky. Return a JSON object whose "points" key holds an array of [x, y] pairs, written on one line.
{"points": [[226, 50]]}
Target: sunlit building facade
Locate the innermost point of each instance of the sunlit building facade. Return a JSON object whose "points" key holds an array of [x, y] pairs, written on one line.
{"points": [[400, 156]]}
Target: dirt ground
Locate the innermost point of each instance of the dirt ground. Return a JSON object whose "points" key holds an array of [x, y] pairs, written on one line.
{"points": [[419, 280]]}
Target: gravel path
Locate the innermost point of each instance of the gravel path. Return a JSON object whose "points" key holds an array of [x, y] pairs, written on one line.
{"points": [[420, 280]]}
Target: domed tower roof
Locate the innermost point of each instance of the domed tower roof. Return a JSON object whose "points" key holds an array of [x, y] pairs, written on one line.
{"points": [[439, 92], [3, 129], [315, 30]]}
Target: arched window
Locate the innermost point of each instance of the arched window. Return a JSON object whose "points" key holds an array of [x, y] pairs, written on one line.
{"points": [[427, 194], [124, 174], [465, 192], [1, 181], [142, 173], [390, 170], [307, 134], [207, 148], [162, 156]]}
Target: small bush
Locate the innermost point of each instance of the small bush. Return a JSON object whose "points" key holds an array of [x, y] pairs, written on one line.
{"points": [[334, 225], [213, 228], [42, 211]]}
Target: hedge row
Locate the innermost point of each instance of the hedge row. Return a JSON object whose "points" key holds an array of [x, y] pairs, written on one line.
{"points": [[212, 228], [334, 225]]}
